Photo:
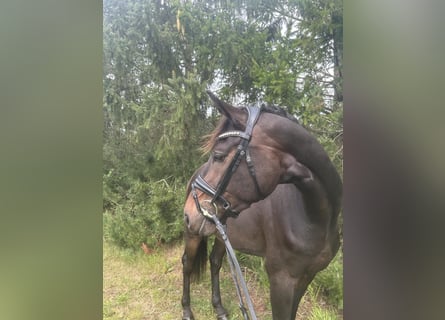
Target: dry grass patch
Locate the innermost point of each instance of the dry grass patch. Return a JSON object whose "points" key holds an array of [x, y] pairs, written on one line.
{"points": [[138, 286]]}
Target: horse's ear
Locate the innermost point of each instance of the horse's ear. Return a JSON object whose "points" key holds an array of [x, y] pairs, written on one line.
{"points": [[236, 115]]}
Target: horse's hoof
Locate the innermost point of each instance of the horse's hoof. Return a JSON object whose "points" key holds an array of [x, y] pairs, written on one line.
{"points": [[188, 317], [223, 317]]}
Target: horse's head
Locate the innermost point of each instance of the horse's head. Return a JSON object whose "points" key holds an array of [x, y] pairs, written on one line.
{"points": [[251, 152]]}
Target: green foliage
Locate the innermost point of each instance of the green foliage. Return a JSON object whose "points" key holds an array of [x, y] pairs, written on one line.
{"points": [[151, 214]]}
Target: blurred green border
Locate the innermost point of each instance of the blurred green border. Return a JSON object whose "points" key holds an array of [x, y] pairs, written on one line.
{"points": [[51, 160]]}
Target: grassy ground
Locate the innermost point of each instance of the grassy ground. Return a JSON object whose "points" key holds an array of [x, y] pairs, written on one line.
{"points": [[139, 286]]}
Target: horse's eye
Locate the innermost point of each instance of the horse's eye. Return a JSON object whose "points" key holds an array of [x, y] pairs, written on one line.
{"points": [[217, 156]]}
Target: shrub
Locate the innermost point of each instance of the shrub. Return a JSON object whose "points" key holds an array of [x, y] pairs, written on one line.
{"points": [[151, 213]]}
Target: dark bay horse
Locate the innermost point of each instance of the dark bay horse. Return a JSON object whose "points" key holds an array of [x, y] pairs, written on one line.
{"points": [[285, 195]]}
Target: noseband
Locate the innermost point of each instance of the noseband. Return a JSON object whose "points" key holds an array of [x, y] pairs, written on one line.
{"points": [[241, 151]]}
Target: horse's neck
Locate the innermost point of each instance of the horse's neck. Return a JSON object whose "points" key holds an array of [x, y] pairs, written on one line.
{"points": [[327, 184], [322, 194]]}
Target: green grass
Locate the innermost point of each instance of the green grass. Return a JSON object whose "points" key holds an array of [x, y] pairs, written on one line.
{"points": [[137, 286]]}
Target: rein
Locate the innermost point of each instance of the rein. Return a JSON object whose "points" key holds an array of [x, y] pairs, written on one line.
{"points": [[235, 269]]}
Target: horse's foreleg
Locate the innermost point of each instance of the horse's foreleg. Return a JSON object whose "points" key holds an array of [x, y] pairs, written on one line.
{"points": [[281, 296], [187, 313], [188, 258], [216, 258], [285, 294]]}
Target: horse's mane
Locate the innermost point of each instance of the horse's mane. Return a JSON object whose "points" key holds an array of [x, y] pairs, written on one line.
{"points": [[224, 122], [270, 108]]}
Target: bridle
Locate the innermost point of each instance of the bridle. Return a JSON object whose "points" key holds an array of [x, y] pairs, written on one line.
{"points": [[241, 151]]}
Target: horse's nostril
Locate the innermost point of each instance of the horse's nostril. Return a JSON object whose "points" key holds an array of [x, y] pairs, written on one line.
{"points": [[186, 219]]}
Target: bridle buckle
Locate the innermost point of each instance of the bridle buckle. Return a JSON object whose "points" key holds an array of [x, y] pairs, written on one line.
{"points": [[207, 214]]}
